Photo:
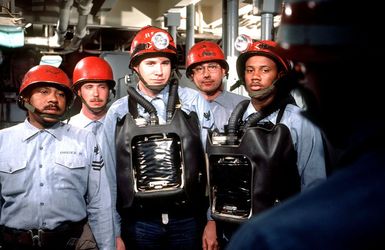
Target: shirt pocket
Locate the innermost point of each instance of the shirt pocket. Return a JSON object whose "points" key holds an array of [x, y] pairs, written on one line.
{"points": [[71, 172], [14, 176]]}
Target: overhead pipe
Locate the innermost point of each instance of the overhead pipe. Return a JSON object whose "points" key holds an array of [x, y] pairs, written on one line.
{"points": [[84, 9], [230, 26], [190, 31], [267, 9], [172, 22], [64, 17]]}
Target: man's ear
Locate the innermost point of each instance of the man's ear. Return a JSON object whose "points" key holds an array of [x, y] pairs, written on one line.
{"points": [[78, 92], [281, 74], [26, 99], [135, 68]]}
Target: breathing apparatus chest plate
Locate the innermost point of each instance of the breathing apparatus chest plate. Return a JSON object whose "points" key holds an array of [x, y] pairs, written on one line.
{"points": [[252, 174], [160, 162]]}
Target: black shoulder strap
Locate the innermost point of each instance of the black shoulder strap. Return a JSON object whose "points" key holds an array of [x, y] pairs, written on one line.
{"points": [[280, 114], [288, 100], [132, 107]]}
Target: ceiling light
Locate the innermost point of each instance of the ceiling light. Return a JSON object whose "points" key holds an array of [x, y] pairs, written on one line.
{"points": [[54, 60]]}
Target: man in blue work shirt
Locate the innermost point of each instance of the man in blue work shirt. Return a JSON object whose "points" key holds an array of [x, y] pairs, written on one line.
{"points": [[334, 50], [93, 84], [286, 158], [52, 174], [153, 139], [206, 67]]}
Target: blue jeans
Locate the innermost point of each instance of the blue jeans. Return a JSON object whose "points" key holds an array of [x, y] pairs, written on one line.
{"points": [[178, 233], [224, 232]]}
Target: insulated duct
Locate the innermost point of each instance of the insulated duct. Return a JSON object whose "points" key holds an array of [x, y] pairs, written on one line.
{"points": [[84, 8]]}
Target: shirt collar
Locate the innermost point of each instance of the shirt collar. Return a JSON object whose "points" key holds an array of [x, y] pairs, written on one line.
{"points": [[163, 94], [223, 99], [30, 130], [250, 110], [87, 121]]}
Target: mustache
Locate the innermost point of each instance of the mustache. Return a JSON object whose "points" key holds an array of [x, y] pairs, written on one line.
{"points": [[256, 84], [51, 106], [96, 100]]}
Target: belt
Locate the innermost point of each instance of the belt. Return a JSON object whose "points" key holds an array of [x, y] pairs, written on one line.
{"points": [[65, 234], [157, 212]]}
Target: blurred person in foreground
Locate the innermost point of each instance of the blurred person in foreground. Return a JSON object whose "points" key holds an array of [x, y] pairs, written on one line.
{"points": [[338, 54]]}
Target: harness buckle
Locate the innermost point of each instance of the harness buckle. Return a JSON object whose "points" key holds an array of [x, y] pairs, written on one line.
{"points": [[36, 237], [165, 219]]}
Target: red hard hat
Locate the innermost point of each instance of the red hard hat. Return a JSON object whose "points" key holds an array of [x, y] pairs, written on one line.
{"points": [[205, 51], [151, 41], [264, 48], [45, 74], [92, 69]]}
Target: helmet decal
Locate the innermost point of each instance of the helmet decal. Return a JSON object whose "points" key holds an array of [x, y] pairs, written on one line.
{"points": [[242, 43], [265, 48], [160, 40], [152, 41]]}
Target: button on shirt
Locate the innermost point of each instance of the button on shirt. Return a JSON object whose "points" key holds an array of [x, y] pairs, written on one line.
{"points": [[307, 141], [45, 175], [190, 100]]}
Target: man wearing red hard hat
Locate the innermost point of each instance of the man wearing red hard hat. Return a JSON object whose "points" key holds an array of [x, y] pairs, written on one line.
{"points": [[338, 55], [93, 83], [155, 138], [51, 173]]}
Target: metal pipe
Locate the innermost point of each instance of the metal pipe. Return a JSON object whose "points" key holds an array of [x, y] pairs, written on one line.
{"points": [[267, 22], [190, 9], [172, 31], [231, 26]]}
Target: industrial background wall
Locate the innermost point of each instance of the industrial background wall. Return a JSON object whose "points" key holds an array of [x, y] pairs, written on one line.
{"points": [[61, 32]]}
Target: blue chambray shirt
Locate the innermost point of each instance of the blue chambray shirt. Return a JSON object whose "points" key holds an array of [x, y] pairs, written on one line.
{"points": [[82, 121], [190, 100], [223, 106], [307, 141], [50, 176]]}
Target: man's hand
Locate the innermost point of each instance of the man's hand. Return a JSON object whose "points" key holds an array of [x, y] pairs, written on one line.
{"points": [[209, 238], [120, 244]]}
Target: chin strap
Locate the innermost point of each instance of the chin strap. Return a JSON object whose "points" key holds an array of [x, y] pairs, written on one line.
{"points": [[260, 94], [152, 87], [58, 117], [174, 74], [93, 110], [263, 93]]}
